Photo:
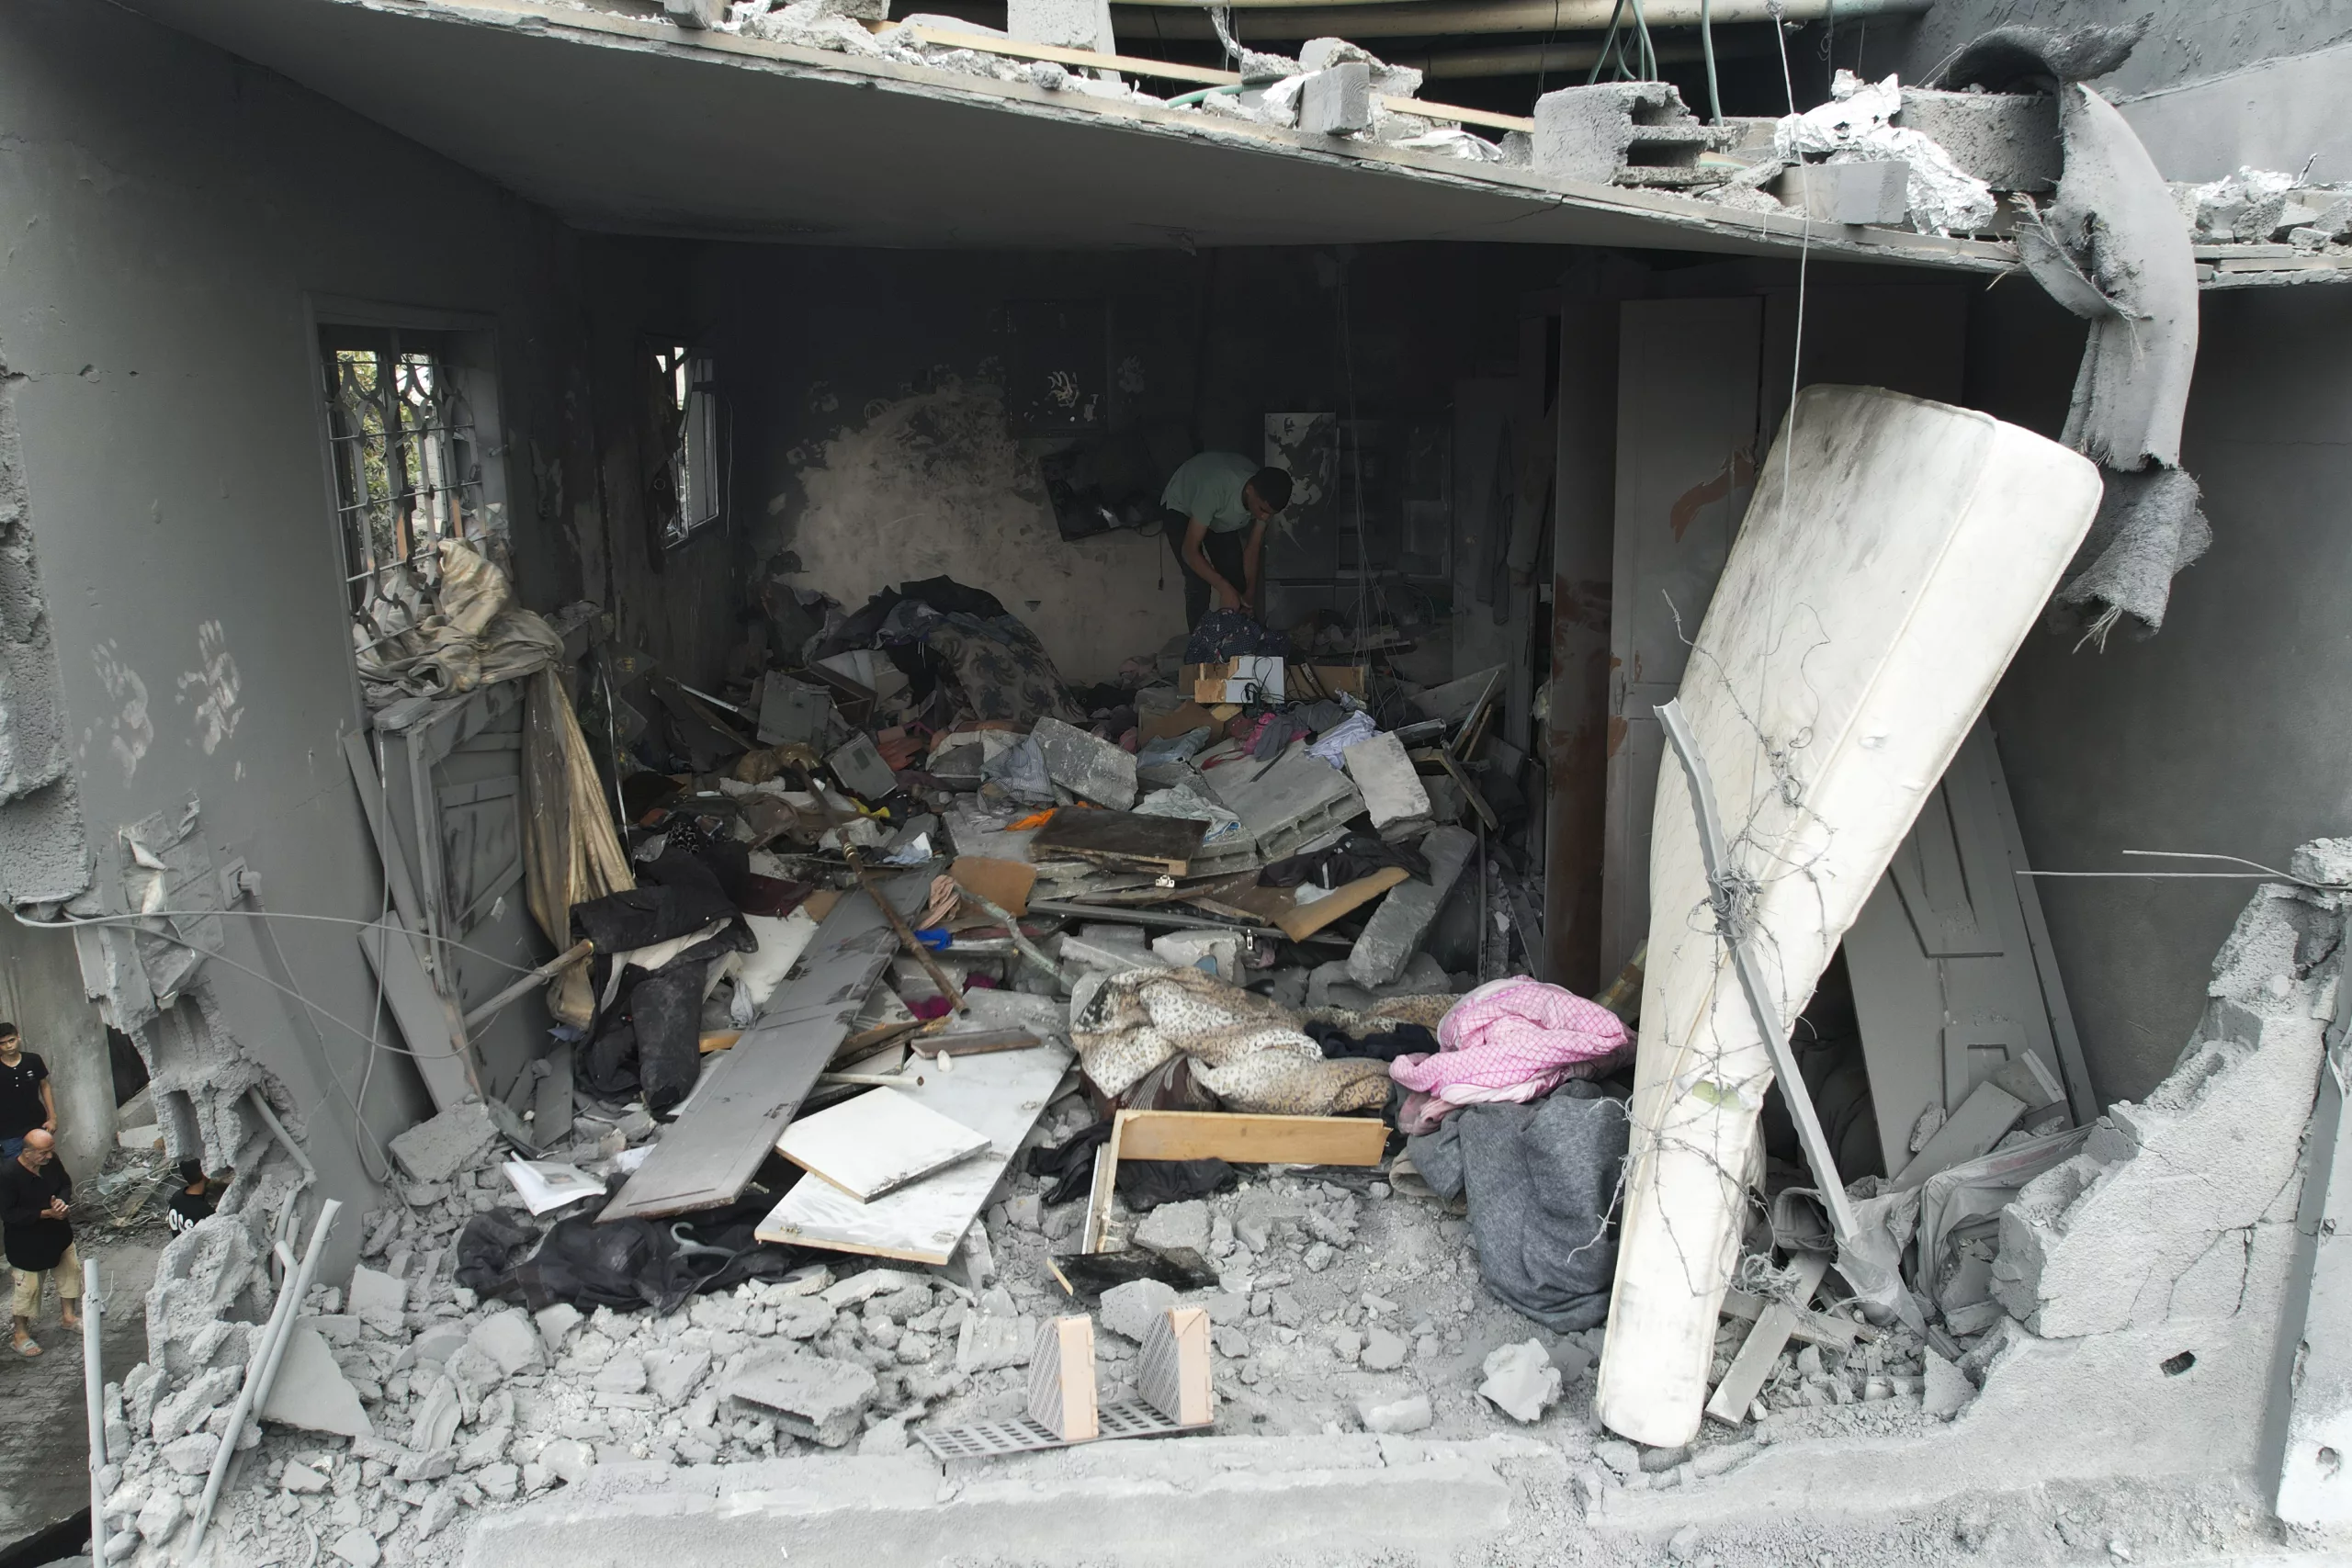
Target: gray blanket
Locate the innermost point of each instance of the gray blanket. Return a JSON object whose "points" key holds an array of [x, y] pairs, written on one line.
{"points": [[1542, 1180]]}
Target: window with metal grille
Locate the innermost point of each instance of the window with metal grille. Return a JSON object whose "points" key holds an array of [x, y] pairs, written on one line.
{"points": [[408, 462], [685, 415]]}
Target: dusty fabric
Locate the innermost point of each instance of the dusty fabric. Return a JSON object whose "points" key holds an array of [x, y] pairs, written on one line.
{"points": [[1002, 670], [1513, 1039], [1248, 1051], [571, 853], [1542, 1182], [2149, 526], [460, 632], [1233, 634]]}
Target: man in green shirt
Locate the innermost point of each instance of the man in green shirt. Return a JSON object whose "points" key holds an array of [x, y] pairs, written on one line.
{"points": [[1216, 506]]}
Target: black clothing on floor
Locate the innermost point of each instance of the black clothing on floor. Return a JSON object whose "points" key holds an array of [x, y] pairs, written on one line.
{"points": [[1405, 1039], [20, 1107], [33, 1241]]}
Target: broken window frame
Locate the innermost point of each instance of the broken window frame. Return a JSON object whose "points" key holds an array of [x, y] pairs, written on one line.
{"points": [[449, 481], [687, 418]]}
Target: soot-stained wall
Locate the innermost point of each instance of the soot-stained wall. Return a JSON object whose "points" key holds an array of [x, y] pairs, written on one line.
{"points": [[871, 434]]}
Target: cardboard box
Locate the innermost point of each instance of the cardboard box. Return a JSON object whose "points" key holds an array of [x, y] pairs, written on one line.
{"points": [[1310, 682], [1253, 678]]}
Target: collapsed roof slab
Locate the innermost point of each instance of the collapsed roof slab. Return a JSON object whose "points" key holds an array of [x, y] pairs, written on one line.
{"points": [[621, 122]]}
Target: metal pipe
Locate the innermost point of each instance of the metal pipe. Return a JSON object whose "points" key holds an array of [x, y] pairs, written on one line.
{"points": [[93, 1405], [1528, 59], [1270, 20], [547, 970], [262, 1370], [269, 1119]]}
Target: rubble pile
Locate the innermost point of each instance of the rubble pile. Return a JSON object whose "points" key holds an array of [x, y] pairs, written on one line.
{"points": [[2265, 207]]}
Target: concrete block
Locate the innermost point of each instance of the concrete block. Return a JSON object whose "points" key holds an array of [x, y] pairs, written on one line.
{"points": [[1285, 807], [1628, 133], [2011, 140], [985, 1343], [1876, 192], [1067, 24], [694, 15], [509, 1339], [1387, 81], [310, 1391], [809, 1396], [438, 1148], [1090, 768], [1337, 101], [1521, 1381], [1392, 790], [1187, 949], [1409, 910], [1181, 1226], [1411, 1413], [1130, 1309], [1384, 1351]]}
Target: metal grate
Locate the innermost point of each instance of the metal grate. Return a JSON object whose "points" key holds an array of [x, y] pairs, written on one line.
{"points": [[407, 462], [1021, 1435]]}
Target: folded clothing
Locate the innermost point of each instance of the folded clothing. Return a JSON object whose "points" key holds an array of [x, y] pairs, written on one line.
{"points": [[1513, 1040]]}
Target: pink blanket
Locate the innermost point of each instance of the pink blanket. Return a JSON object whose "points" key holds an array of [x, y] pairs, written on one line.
{"points": [[1514, 1039]]}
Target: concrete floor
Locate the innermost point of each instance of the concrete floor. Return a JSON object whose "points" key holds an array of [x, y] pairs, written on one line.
{"points": [[43, 1441]]}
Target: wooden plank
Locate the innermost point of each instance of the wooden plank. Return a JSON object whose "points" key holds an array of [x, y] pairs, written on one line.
{"points": [[1302, 920], [1181, 719], [1763, 1347], [1161, 844], [1094, 1235], [979, 1042], [427, 1022], [1250, 1140], [877, 1143], [1810, 1328], [1000, 1095], [730, 1121], [1982, 1121]]}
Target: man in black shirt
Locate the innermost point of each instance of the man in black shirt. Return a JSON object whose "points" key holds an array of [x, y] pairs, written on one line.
{"points": [[199, 1196], [27, 1101], [38, 1237]]}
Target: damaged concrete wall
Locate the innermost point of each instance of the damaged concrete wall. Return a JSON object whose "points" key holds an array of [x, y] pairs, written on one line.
{"points": [[175, 213], [872, 441], [2224, 734], [2187, 40], [2276, 114]]}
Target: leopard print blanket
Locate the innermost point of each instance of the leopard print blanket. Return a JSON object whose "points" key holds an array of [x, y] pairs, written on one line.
{"points": [[1247, 1050]]}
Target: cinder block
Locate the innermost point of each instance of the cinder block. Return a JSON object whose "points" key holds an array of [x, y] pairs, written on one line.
{"points": [[1337, 101], [1406, 915], [1392, 790], [1626, 132], [1876, 192], [2007, 140], [1067, 24]]}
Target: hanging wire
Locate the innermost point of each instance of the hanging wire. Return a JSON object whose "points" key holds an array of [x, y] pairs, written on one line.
{"points": [[1608, 41], [1648, 58], [1707, 50]]}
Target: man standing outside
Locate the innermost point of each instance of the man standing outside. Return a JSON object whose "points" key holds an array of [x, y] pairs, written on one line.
{"points": [[37, 1236], [1216, 506], [27, 1101]]}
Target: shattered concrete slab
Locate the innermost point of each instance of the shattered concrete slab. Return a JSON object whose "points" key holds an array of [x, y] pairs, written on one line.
{"points": [[1405, 916], [438, 1148], [1090, 768]]}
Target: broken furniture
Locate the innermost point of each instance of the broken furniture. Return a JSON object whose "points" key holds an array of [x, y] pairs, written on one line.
{"points": [[1172, 1392], [1880, 585], [1234, 1137]]}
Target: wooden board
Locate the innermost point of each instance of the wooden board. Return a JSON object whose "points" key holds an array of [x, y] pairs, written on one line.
{"points": [[425, 1019], [1763, 1345], [1000, 1095], [877, 1143], [1005, 883], [1298, 921], [1250, 1140], [1160, 844], [728, 1125], [1183, 719]]}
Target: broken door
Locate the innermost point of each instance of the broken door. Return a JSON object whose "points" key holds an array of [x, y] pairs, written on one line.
{"points": [[1950, 962]]}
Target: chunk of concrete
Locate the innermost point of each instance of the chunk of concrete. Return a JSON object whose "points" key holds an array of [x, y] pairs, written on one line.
{"points": [[555, 1324], [2011, 140], [509, 1339], [190, 1455], [1284, 807], [1180, 1226], [1191, 949], [310, 1391], [1521, 1381], [1411, 1413], [1088, 768], [672, 1374], [1947, 1389], [438, 1148], [1384, 1351], [810, 1396], [1066, 24], [378, 1299], [1337, 101], [1392, 790], [1875, 191], [357, 1547], [987, 1343], [1129, 1309], [301, 1480], [179, 1413], [1412, 906]]}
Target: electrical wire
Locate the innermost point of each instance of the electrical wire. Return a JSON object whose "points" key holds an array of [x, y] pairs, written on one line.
{"points": [[1608, 39], [1648, 51], [1707, 50], [131, 919]]}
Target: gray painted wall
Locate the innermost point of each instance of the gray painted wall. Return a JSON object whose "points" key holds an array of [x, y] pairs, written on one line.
{"points": [[169, 211], [2226, 733]]}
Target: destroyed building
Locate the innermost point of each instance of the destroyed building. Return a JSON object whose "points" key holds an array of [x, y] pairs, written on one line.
{"points": [[1734, 952]]}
